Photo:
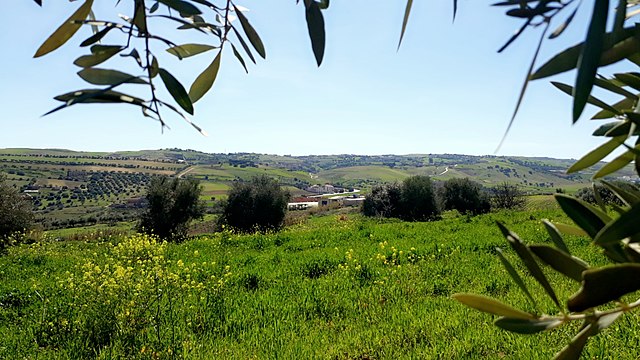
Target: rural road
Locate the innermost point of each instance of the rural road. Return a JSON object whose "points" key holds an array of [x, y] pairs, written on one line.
{"points": [[185, 171], [446, 168]]}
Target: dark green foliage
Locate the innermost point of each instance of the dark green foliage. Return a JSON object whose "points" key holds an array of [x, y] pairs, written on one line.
{"points": [[413, 200], [507, 196], [464, 195], [418, 199], [383, 201], [172, 204], [15, 212], [607, 196], [259, 204]]}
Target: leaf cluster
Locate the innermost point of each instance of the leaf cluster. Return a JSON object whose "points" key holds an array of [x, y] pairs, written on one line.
{"points": [[223, 22]]}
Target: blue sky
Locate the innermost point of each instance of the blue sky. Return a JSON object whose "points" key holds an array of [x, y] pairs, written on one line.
{"points": [[445, 91]]}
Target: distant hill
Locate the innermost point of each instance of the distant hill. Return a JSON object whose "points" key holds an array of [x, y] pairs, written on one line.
{"points": [[74, 186]]}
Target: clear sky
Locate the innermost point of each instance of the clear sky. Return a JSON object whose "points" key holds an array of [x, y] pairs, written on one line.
{"points": [[445, 91]]}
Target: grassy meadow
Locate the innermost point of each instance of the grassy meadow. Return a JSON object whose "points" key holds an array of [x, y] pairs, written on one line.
{"points": [[332, 287]]}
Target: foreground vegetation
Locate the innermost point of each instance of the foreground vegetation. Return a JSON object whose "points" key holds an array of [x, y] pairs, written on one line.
{"points": [[338, 286]]}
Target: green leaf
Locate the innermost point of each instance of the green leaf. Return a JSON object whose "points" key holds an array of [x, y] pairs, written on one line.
{"points": [[244, 44], [570, 229], [597, 154], [97, 57], [205, 80], [98, 96], [186, 50], [561, 262], [568, 59], [573, 350], [630, 197], [563, 26], [140, 16], [254, 39], [527, 326], [567, 89], [65, 31], [108, 77], [315, 26], [155, 67], [629, 79], [491, 306], [527, 258], [624, 226], [605, 284], [176, 90], [182, 7], [514, 275], [96, 37], [405, 20], [587, 217], [556, 238], [239, 57], [613, 87], [624, 104], [604, 129], [618, 22], [596, 195], [615, 165], [619, 130]]}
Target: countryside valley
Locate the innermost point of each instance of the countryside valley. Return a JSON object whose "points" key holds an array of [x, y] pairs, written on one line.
{"points": [[71, 188]]}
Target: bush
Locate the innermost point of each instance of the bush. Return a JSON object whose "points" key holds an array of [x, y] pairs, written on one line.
{"points": [[259, 204], [464, 195], [413, 200], [16, 213], [383, 201], [418, 199], [607, 196], [507, 196], [173, 203]]}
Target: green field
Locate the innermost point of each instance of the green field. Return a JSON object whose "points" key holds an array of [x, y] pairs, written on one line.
{"points": [[334, 287]]}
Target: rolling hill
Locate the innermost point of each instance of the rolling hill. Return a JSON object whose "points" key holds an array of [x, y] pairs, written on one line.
{"points": [[71, 187]]}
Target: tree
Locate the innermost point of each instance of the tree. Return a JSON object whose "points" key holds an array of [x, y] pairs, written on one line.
{"points": [[383, 201], [507, 196], [464, 195], [172, 204], [257, 205], [418, 199], [16, 212], [412, 200]]}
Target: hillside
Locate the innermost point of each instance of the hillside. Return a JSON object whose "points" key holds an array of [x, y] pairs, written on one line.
{"points": [[71, 187]]}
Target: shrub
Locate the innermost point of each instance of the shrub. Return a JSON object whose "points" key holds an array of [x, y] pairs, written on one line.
{"points": [[16, 213], [173, 203], [413, 200], [507, 196], [418, 200], [259, 204], [464, 195], [383, 201]]}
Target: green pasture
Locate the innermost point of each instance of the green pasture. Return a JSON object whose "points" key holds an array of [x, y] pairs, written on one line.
{"points": [[334, 287]]}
